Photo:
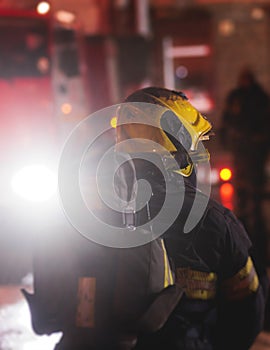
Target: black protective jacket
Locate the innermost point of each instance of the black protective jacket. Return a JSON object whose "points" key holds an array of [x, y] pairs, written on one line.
{"points": [[224, 299]]}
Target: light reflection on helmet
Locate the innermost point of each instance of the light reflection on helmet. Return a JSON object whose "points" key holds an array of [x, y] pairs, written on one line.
{"points": [[179, 126]]}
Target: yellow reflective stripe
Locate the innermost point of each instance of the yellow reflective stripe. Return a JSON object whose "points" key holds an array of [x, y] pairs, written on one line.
{"points": [[185, 171], [243, 283], [197, 284], [254, 284], [187, 273], [168, 277], [245, 270], [200, 294]]}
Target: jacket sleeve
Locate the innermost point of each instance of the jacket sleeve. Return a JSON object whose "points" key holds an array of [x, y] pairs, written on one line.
{"points": [[241, 293]]}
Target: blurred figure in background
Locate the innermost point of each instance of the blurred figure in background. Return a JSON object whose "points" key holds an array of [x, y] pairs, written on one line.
{"points": [[245, 125]]}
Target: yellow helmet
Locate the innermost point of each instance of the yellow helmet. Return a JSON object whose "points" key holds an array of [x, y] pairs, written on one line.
{"points": [[178, 126]]}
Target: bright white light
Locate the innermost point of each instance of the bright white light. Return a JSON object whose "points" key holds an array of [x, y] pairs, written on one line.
{"points": [[44, 342], [36, 183], [66, 108], [43, 7], [65, 16], [188, 51], [15, 327], [15, 324]]}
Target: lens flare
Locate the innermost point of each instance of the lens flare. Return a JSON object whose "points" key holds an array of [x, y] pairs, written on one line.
{"points": [[227, 195], [35, 183], [43, 7], [225, 174]]}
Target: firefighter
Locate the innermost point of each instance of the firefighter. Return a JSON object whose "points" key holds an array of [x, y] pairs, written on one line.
{"points": [[97, 295], [224, 291], [248, 140]]}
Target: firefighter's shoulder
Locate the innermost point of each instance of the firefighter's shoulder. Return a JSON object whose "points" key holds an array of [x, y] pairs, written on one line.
{"points": [[237, 273], [226, 227]]}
